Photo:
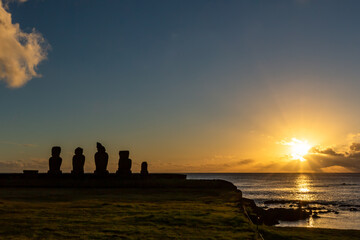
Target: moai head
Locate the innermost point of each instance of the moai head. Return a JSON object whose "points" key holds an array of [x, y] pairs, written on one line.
{"points": [[55, 151], [78, 151], [100, 147], [124, 154], [144, 166]]}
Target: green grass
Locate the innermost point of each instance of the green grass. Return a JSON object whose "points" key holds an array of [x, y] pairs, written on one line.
{"points": [[136, 214], [121, 213]]}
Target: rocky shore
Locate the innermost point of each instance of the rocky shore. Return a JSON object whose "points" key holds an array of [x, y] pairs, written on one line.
{"points": [[272, 216], [290, 210]]}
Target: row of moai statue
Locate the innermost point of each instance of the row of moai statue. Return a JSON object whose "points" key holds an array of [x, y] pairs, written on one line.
{"points": [[101, 162]]}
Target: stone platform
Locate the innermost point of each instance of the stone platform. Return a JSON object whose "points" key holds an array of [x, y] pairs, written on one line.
{"points": [[89, 180]]}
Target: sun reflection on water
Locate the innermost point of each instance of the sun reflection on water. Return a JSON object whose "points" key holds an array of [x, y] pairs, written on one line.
{"points": [[303, 188], [310, 222]]}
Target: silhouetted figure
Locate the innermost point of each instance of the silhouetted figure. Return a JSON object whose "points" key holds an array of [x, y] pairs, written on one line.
{"points": [[144, 168], [55, 161], [124, 163], [78, 161], [101, 160]]}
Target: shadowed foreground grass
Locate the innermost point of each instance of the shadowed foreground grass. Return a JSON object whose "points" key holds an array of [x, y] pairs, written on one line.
{"points": [[136, 214], [121, 213]]}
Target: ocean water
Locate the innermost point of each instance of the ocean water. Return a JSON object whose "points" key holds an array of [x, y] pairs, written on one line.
{"points": [[336, 197]]}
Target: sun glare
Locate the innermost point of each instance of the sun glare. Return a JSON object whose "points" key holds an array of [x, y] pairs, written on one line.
{"points": [[299, 149]]}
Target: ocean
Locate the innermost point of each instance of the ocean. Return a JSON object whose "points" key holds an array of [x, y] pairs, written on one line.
{"points": [[335, 197]]}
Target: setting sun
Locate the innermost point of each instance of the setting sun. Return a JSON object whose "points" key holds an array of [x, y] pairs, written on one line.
{"points": [[299, 149]]}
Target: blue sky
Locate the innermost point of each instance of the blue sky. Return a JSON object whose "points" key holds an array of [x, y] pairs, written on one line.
{"points": [[185, 85]]}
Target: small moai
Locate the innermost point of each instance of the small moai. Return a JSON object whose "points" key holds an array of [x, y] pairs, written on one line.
{"points": [[124, 163], [78, 162], [101, 160], [55, 161], [144, 168]]}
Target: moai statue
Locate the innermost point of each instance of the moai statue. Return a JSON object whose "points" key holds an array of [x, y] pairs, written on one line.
{"points": [[78, 161], [101, 160], [55, 161], [144, 168], [124, 163]]}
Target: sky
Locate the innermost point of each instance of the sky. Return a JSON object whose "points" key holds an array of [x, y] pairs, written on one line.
{"points": [[188, 86]]}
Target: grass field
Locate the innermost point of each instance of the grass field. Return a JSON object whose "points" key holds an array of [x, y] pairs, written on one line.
{"points": [[120, 213], [135, 214]]}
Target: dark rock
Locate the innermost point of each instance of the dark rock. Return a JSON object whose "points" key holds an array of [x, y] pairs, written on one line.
{"points": [[249, 203], [353, 209], [272, 216], [78, 162], [55, 161], [101, 160], [124, 163], [315, 208], [283, 214]]}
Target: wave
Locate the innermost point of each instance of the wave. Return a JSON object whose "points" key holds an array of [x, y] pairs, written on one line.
{"points": [[335, 185], [338, 204]]}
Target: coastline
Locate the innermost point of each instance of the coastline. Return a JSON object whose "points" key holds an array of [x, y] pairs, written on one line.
{"points": [[212, 208], [334, 197]]}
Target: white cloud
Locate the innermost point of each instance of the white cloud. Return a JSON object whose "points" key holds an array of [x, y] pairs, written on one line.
{"points": [[20, 165], [20, 52]]}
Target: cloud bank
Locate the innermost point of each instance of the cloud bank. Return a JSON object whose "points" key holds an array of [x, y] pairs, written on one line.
{"points": [[20, 52], [329, 160], [19, 165]]}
